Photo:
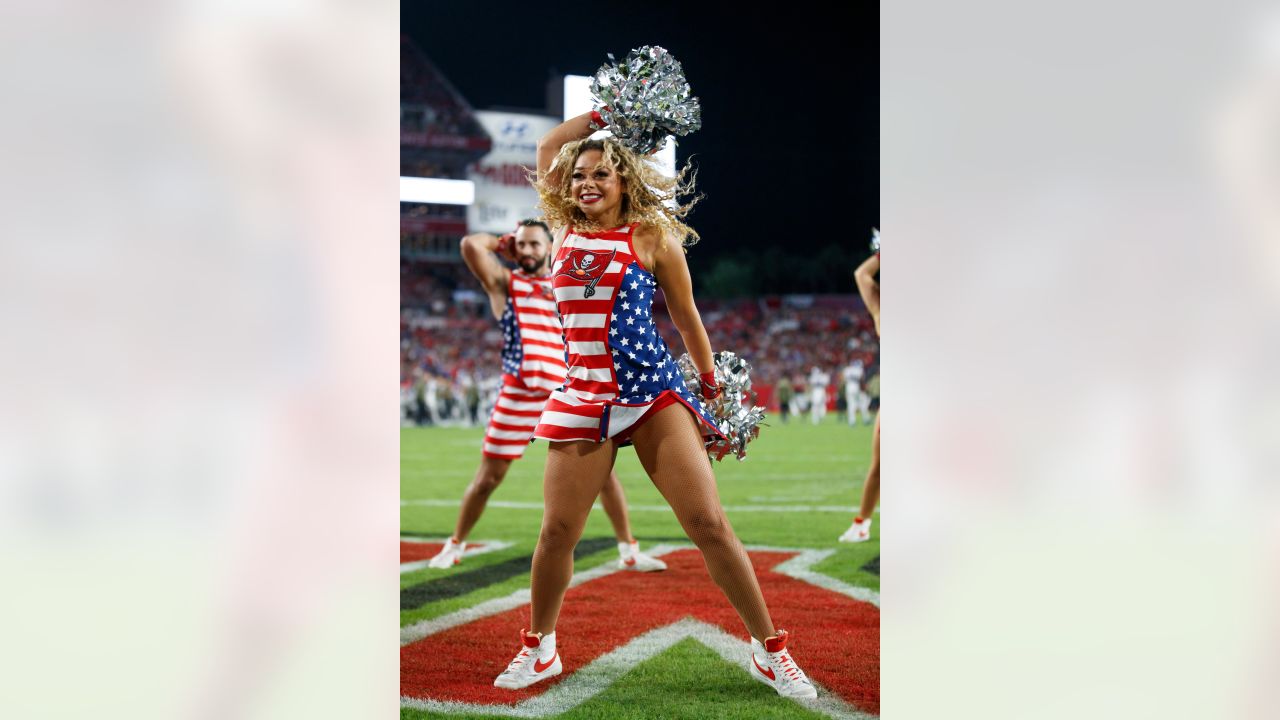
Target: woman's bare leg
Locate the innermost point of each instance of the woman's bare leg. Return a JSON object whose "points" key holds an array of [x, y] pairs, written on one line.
{"points": [[672, 452], [575, 473]]}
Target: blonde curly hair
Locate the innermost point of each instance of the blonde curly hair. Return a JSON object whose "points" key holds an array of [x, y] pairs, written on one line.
{"points": [[650, 198]]}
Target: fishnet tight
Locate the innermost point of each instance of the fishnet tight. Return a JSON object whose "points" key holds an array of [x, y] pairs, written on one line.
{"points": [[671, 451]]}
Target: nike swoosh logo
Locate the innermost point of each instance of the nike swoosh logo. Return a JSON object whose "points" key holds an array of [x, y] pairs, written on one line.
{"points": [[539, 667], [766, 673]]}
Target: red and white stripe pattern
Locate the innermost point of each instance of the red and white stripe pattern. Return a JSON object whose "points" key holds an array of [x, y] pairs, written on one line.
{"points": [[538, 331], [619, 369], [513, 420], [533, 358]]}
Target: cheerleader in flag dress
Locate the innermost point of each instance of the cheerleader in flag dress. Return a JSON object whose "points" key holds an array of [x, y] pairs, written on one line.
{"points": [[618, 238], [533, 366]]}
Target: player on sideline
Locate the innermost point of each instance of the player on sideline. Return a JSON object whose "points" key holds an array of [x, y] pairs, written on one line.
{"points": [[860, 530], [855, 397], [818, 381], [533, 366], [616, 243]]}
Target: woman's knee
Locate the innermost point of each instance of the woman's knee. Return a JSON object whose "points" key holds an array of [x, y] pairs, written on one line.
{"points": [[708, 528], [558, 535]]}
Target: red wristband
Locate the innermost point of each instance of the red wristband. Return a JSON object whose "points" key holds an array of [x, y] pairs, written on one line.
{"points": [[710, 390], [597, 122]]}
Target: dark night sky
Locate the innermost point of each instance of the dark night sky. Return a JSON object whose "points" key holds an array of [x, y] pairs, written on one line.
{"points": [[788, 153]]}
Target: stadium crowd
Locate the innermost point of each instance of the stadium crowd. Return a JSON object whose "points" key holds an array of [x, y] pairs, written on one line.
{"points": [[450, 367], [449, 341]]}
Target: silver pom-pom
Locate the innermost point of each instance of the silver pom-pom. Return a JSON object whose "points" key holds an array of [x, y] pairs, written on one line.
{"points": [[645, 98], [738, 423], [875, 239]]}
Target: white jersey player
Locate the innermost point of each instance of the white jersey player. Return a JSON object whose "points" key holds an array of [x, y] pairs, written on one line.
{"points": [[857, 399], [818, 382]]}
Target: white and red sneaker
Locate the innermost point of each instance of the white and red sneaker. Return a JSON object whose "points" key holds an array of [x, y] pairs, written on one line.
{"points": [[772, 665], [630, 558], [859, 531], [449, 556], [536, 661]]}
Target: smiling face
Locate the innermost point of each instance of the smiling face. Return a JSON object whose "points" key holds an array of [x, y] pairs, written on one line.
{"points": [[597, 189]]}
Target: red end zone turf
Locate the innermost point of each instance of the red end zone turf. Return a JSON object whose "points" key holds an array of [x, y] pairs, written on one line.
{"points": [[414, 551], [835, 639]]}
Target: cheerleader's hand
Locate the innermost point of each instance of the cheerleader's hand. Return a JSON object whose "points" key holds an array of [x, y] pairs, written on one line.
{"points": [[710, 390]]}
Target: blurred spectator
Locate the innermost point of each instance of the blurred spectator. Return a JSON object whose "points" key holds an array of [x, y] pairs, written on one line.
{"points": [[819, 379], [857, 401], [784, 394], [446, 328]]}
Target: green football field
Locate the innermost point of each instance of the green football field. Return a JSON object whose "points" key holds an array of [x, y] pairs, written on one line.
{"points": [[797, 489]]}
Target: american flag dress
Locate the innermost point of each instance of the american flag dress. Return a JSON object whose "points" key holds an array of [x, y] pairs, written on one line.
{"points": [[532, 364], [620, 371]]}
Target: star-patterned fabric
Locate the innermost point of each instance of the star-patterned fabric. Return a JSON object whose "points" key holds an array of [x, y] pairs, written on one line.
{"points": [[619, 369]]}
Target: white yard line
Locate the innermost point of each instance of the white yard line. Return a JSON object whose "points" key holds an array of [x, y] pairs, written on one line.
{"points": [[598, 675], [487, 546], [519, 505], [417, 631], [800, 568]]}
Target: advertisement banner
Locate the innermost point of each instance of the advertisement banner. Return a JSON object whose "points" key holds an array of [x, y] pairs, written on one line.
{"points": [[503, 194]]}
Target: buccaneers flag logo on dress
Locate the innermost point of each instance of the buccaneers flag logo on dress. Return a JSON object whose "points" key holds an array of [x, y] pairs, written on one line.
{"points": [[587, 266]]}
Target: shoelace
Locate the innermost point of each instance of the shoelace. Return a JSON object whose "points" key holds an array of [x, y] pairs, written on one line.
{"points": [[514, 665], [788, 666]]}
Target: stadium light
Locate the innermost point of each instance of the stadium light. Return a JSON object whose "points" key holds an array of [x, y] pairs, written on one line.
{"points": [[437, 190], [577, 100]]}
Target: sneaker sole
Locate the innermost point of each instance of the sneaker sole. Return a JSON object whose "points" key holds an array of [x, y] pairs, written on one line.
{"points": [[633, 568], [766, 681], [550, 673]]}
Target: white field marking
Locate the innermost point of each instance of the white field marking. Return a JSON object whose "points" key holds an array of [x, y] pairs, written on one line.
{"points": [[419, 630], [798, 567], [774, 499], [522, 505], [486, 546], [826, 476], [598, 675], [791, 460]]}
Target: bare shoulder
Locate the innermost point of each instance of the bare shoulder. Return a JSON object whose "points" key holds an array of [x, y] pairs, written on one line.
{"points": [[557, 239], [647, 241]]}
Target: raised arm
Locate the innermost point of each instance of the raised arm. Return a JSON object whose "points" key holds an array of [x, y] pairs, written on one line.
{"points": [[478, 252], [865, 276], [574, 128]]}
